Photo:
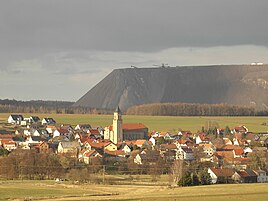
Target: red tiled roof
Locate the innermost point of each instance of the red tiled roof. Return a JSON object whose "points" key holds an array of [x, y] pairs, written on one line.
{"points": [[94, 131], [225, 154], [231, 147], [203, 136], [226, 140], [115, 153], [7, 142], [134, 126], [6, 137], [238, 151], [99, 145], [92, 152], [163, 133], [139, 142], [168, 146], [222, 172]]}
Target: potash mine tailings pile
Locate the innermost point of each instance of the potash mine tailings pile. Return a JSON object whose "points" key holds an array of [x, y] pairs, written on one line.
{"points": [[245, 85]]}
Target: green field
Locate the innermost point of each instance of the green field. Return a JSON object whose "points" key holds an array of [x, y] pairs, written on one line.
{"points": [[49, 190], [158, 123]]}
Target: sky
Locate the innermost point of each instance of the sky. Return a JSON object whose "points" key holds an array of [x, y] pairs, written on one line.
{"points": [[59, 49]]}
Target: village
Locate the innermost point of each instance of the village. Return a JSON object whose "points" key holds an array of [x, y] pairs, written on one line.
{"points": [[229, 155]]}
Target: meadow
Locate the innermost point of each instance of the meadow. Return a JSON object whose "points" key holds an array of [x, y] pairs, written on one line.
{"points": [[50, 190], [160, 123]]}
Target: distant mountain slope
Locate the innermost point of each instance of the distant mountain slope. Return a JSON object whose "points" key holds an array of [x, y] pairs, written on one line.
{"points": [[231, 84]]}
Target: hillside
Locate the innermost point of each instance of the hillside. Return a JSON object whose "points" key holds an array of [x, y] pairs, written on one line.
{"points": [[232, 84]]}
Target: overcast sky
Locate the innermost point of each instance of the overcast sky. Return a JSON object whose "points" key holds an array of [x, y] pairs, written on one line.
{"points": [[59, 49]]}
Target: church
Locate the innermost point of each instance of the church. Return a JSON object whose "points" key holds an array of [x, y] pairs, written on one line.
{"points": [[119, 132]]}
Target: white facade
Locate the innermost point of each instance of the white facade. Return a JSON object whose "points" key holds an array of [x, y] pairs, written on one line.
{"points": [[214, 177]]}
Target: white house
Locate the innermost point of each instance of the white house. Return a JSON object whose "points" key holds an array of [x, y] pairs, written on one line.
{"points": [[152, 140], [83, 127], [126, 149], [15, 119], [33, 140], [48, 121], [137, 159], [220, 175], [56, 133]]}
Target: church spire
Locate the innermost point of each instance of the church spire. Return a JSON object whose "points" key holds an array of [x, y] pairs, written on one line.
{"points": [[118, 110]]}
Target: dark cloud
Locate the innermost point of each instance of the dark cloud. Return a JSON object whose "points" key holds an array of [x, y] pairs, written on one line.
{"points": [[70, 45], [131, 25]]}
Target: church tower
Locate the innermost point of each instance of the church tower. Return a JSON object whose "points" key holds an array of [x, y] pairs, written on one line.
{"points": [[117, 127]]}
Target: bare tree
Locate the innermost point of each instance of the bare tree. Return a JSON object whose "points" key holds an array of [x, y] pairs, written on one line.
{"points": [[176, 172]]}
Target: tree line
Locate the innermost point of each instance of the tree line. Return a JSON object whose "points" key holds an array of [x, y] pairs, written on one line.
{"points": [[29, 164], [48, 107], [193, 109]]}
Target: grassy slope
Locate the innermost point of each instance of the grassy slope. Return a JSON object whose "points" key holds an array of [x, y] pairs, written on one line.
{"points": [[48, 190], [171, 124]]}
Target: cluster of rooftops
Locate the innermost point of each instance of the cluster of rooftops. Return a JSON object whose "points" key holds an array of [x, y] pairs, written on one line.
{"points": [[84, 143]]}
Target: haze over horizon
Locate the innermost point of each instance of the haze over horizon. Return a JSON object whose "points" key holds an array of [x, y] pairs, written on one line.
{"points": [[58, 50]]}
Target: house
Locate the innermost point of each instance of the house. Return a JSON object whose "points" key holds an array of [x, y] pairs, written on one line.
{"points": [[261, 176], [15, 119], [152, 140], [25, 122], [146, 156], [117, 155], [168, 151], [247, 150], [238, 153], [137, 159], [141, 143], [89, 155], [124, 147], [240, 129], [94, 133], [69, 148], [43, 147], [6, 137], [202, 138], [221, 175], [227, 141], [8, 144], [35, 132], [226, 157], [245, 176], [165, 135], [103, 145], [208, 149], [34, 119], [48, 121], [51, 128], [33, 140], [83, 127], [185, 153]]}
